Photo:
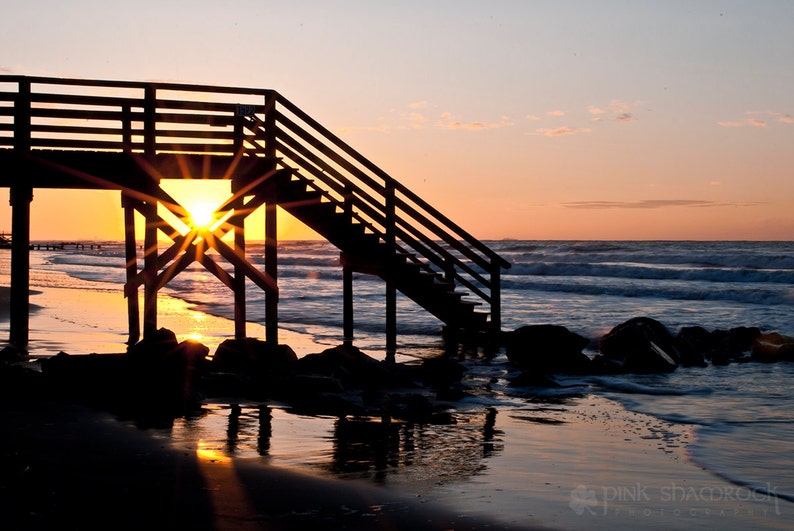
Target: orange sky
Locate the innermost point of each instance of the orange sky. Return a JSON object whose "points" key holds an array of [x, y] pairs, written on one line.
{"points": [[557, 120]]}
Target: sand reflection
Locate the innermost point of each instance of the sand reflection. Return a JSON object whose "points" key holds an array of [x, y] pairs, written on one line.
{"points": [[382, 450]]}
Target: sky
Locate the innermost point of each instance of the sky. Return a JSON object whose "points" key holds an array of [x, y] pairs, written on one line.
{"points": [[517, 119]]}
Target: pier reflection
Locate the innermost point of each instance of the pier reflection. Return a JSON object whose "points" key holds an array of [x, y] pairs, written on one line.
{"points": [[376, 449]]}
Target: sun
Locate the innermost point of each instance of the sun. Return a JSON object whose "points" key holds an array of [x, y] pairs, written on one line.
{"points": [[202, 215]]}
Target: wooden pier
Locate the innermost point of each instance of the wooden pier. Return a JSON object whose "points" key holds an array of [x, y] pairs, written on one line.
{"points": [[129, 136]]}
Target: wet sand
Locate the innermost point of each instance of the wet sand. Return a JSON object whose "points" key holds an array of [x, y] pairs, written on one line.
{"points": [[69, 467], [585, 463]]}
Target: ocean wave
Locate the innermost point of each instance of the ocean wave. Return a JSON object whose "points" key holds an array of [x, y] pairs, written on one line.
{"points": [[738, 293], [566, 269], [632, 387]]}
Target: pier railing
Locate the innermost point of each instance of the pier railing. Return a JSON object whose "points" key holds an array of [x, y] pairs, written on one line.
{"points": [[38, 113]]}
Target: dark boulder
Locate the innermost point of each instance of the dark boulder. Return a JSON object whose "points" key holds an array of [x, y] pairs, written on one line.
{"points": [[694, 344], [12, 354], [732, 345], [740, 340], [95, 378], [353, 368], [441, 372], [162, 375], [604, 365], [532, 379], [547, 349], [153, 347], [643, 345], [253, 356], [773, 347]]}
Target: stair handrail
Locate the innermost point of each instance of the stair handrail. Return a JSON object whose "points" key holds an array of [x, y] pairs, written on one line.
{"points": [[402, 215], [389, 181]]}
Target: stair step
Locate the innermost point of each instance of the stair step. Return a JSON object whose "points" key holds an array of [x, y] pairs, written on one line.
{"points": [[366, 252]]}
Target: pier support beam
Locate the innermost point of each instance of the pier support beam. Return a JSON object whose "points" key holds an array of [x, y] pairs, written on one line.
{"points": [[19, 323], [391, 318], [150, 268], [239, 276], [271, 268], [131, 257], [347, 305]]}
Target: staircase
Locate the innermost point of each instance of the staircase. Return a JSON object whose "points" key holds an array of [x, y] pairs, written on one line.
{"points": [[367, 252], [380, 227]]}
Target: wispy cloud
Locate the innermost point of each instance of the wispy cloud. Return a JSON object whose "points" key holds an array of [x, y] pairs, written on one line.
{"points": [[730, 124], [420, 115], [555, 113], [753, 120], [563, 131], [448, 121], [653, 203], [619, 110]]}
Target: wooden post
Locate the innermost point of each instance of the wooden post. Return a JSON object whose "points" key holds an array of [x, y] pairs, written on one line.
{"points": [[270, 125], [348, 324], [347, 305], [20, 197], [239, 277], [239, 237], [496, 300], [271, 268], [391, 284], [130, 244], [150, 209], [19, 323], [271, 225], [131, 256], [126, 128]]}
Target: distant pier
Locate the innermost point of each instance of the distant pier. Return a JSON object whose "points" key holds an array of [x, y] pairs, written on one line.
{"points": [[64, 245]]}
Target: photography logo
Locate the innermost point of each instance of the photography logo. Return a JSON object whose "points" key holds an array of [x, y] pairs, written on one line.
{"points": [[675, 499], [583, 500]]}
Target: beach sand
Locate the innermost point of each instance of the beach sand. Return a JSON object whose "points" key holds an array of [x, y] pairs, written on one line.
{"points": [[579, 463]]}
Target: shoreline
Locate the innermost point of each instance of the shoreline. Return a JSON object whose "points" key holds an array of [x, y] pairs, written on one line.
{"points": [[580, 465]]}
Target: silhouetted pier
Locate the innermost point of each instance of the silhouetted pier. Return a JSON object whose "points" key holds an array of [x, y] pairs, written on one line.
{"points": [[128, 136]]}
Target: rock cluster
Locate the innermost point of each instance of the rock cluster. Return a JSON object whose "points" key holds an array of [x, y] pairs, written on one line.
{"points": [[160, 378], [639, 345]]}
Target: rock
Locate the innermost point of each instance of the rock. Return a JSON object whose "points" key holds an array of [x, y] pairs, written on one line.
{"points": [[741, 339], [731, 345], [94, 378], [547, 349], [349, 365], [643, 345], [773, 347], [441, 372], [18, 383], [694, 344], [533, 379], [255, 357], [604, 365], [156, 345], [163, 377], [12, 354]]}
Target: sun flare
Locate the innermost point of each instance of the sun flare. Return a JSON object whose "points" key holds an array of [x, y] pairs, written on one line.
{"points": [[202, 215]]}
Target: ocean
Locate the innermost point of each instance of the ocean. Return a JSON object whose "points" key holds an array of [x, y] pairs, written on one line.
{"points": [[741, 416]]}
